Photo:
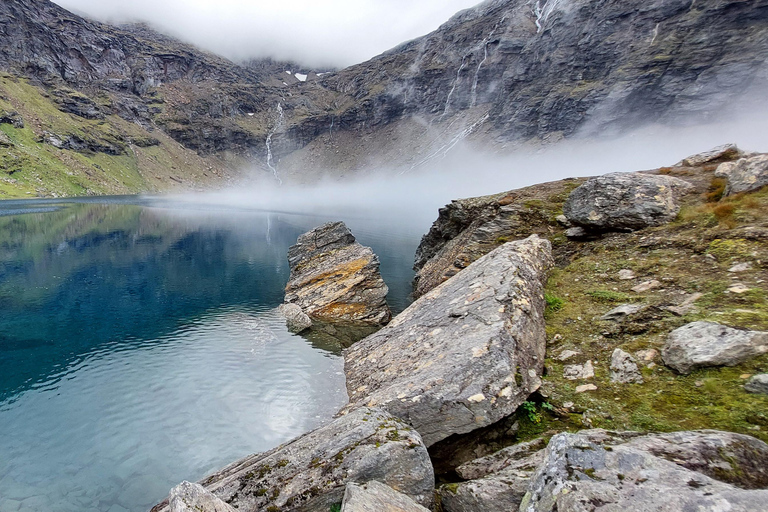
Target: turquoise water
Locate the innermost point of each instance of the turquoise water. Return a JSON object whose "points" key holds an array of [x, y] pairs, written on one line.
{"points": [[139, 346]]}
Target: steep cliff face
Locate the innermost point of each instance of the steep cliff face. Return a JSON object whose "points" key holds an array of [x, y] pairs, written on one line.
{"points": [[504, 72]]}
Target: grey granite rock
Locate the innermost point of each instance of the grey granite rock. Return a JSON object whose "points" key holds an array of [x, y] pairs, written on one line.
{"points": [[744, 175], [311, 472], [475, 347], [719, 153], [703, 344], [598, 470], [621, 312], [295, 318], [757, 384], [377, 497], [625, 201], [624, 368], [335, 279], [189, 497]]}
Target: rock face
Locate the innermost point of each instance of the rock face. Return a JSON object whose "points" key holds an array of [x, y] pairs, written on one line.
{"points": [[596, 470], [625, 201], [474, 347], [335, 279], [189, 497], [758, 384], [377, 497], [703, 344], [744, 175], [311, 472], [624, 368]]}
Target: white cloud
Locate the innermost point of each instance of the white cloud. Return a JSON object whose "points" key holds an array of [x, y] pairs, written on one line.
{"points": [[330, 33]]}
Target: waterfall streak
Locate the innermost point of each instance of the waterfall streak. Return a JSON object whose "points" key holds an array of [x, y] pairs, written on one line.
{"points": [[445, 148], [455, 83], [278, 125]]}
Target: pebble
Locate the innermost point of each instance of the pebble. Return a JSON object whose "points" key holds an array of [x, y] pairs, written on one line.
{"points": [[738, 289], [647, 286], [586, 387], [740, 267], [626, 274], [567, 354]]}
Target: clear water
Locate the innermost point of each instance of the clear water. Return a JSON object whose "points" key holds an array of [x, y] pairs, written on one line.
{"points": [[139, 346]]}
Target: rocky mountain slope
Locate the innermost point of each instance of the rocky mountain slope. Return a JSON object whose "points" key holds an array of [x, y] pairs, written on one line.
{"points": [[117, 109]]}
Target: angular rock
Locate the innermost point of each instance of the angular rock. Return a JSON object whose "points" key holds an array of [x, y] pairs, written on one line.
{"points": [[704, 344], [377, 497], [624, 368], [626, 274], [509, 457], [189, 497], [295, 318], [717, 154], [647, 286], [474, 347], [579, 371], [757, 384], [567, 354], [744, 175], [586, 387], [597, 470], [740, 267], [312, 471], [621, 312], [625, 201], [335, 279]]}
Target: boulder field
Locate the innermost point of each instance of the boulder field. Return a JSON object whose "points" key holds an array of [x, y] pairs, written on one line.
{"points": [[538, 371]]}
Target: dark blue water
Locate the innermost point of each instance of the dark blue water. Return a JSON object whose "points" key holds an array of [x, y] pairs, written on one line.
{"points": [[139, 346]]}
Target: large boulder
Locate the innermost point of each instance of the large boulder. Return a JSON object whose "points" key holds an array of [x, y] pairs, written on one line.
{"points": [[597, 470], [714, 155], [377, 497], [704, 344], [189, 497], [744, 175], [464, 355], [335, 279], [311, 472], [625, 201]]}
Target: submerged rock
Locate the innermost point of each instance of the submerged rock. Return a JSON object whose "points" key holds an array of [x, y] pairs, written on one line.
{"points": [[703, 344], [744, 175], [377, 497], [466, 354], [335, 279], [189, 497], [311, 472], [707, 470], [625, 201]]}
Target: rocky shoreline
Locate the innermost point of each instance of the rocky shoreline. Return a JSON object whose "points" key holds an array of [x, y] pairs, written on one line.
{"points": [[577, 345]]}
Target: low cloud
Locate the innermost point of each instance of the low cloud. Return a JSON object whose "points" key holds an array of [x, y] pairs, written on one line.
{"points": [[334, 33]]}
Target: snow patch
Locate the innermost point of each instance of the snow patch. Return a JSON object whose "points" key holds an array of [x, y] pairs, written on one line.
{"points": [[301, 77]]}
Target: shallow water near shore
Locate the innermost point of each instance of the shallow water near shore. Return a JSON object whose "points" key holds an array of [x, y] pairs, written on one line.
{"points": [[139, 346]]}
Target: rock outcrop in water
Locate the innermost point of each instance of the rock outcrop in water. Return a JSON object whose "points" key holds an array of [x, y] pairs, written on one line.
{"points": [[311, 472], [334, 279], [466, 354]]}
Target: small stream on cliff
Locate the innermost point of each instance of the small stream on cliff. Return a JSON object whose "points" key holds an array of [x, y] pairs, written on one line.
{"points": [[139, 346]]}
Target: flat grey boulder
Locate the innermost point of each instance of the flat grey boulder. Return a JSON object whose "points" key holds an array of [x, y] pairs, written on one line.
{"points": [[189, 497], [464, 355], [705, 344], [621, 312], [311, 472], [598, 470], [335, 279], [757, 384], [717, 154], [625, 201], [745, 174], [624, 368], [377, 497]]}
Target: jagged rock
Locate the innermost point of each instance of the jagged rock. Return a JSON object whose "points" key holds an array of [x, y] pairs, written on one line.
{"points": [[506, 458], [13, 118], [189, 497], [377, 497], [475, 347], [295, 318], [311, 472], [625, 201], [579, 371], [703, 344], [744, 175], [757, 384], [335, 279], [705, 470], [717, 154], [620, 313], [624, 368]]}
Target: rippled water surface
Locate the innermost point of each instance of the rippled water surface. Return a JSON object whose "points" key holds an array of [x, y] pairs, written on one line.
{"points": [[139, 347]]}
